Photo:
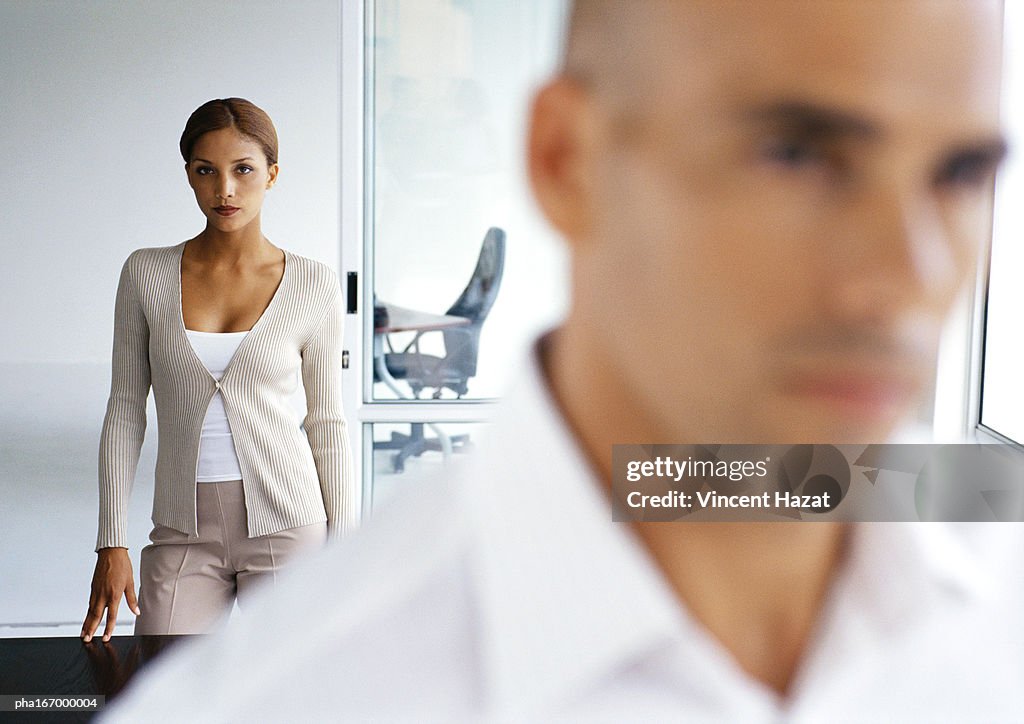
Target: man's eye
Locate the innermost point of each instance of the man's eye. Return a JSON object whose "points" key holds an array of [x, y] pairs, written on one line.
{"points": [[244, 169], [968, 171], [792, 153]]}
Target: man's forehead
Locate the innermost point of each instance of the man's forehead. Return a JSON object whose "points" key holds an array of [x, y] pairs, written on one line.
{"points": [[883, 56], [908, 66]]}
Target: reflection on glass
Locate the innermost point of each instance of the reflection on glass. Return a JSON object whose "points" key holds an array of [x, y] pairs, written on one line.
{"points": [[450, 86]]}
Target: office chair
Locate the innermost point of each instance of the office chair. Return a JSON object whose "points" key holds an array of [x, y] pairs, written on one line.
{"points": [[461, 348]]}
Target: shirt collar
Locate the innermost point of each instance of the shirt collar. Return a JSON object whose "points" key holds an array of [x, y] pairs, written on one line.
{"points": [[568, 595], [901, 570]]}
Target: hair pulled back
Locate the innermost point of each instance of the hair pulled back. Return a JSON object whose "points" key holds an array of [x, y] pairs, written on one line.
{"points": [[244, 116]]}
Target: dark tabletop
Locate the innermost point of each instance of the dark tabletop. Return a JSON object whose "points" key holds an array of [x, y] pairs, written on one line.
{"points": [[65, 666]]}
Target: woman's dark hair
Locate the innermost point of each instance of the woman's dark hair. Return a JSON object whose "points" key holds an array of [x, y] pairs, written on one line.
{"points": [[244, 116]]}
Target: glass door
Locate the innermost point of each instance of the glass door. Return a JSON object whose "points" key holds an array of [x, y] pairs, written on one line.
{"points": [[456, 271]]}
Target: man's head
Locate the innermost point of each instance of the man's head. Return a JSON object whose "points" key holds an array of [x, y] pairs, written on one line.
{"points": [[771, 207]]}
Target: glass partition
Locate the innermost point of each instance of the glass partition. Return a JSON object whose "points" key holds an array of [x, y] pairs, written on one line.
{"points": [[448, 88], [407, 455]]}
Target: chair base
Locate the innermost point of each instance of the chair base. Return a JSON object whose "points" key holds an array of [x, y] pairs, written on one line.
{"points": [[415, 444]]}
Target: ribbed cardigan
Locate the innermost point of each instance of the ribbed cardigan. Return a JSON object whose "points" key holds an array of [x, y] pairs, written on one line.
{"points": [[289, 479]]}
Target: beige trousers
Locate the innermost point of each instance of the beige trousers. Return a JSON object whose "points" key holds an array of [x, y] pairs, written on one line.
{"points": [[187, 586]]}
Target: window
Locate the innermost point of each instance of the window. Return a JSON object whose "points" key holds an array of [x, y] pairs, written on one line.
{"points": [[1002, 402]]}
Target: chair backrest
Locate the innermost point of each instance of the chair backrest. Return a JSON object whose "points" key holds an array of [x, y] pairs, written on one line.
{"points": [[462, 344], [478, 297]]}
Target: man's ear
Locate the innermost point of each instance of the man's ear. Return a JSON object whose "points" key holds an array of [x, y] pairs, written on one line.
{"points": [[560, 156]]}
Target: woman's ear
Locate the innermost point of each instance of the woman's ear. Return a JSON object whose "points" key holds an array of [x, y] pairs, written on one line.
{"points": [[272, 173]]}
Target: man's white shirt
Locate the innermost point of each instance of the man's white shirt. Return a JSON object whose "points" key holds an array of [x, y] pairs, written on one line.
{"points": [[506, 593]]}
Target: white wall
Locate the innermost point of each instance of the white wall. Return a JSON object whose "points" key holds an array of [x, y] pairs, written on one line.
{"points": [[93, 97]]}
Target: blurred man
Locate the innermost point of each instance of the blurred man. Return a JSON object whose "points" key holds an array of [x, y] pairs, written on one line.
{"points": [[771, 208]]}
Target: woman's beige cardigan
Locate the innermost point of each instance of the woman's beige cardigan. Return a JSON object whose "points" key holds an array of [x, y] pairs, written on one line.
{"points": [[290, 479]]}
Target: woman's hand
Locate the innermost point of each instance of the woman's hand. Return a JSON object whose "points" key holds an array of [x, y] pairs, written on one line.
{"points": [[112, 578]]}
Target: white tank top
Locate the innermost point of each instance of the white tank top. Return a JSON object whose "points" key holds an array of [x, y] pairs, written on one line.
{"points": [[218, 460]]}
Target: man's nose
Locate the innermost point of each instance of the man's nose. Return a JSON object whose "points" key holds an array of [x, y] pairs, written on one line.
{"points": [[901, 254]]}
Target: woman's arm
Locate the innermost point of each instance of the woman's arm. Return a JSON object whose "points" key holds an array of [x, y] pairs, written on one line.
{"points": [[124, 428], [325, 418], [124, 425]]}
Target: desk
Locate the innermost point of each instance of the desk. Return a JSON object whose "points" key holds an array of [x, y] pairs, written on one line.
{"points": [[388, 318], [66, 665]]}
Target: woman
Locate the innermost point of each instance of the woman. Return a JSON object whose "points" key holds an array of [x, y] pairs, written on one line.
{"points": [[221, 326]]}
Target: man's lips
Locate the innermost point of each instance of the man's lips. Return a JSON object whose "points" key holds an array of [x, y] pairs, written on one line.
{"points": [[225, 210], [857, 391]]}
